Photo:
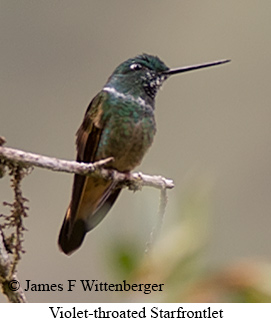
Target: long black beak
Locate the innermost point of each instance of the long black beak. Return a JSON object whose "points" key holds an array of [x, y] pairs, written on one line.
{"points": [[194, 67]]}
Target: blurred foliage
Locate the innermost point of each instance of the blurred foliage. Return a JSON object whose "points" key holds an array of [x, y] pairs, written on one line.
{"points": [[177, 260], [124, 258]]}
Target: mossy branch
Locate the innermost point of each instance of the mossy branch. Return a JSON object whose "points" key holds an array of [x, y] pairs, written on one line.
{"points": [[134, 181]]}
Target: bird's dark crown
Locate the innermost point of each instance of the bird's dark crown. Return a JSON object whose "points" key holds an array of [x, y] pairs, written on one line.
{"points": [[143, 62]]}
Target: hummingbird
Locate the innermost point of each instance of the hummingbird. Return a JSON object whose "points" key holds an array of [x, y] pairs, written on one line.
{"points": [[119, 122]]}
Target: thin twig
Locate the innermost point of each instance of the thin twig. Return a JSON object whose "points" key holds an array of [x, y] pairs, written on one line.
{"points": [[161, 215]]}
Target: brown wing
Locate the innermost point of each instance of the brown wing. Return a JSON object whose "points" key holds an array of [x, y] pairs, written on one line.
{"points": [[88, 137], [91, 197]]}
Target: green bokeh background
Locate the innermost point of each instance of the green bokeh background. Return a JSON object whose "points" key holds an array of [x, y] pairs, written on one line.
{"points": [[213, 126]]}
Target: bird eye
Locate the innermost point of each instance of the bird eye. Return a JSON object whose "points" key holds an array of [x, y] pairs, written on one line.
{"points": [[135, 67]]}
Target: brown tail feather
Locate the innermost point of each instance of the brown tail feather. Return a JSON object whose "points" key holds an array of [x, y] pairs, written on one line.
{"points": [[72, 235]]}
